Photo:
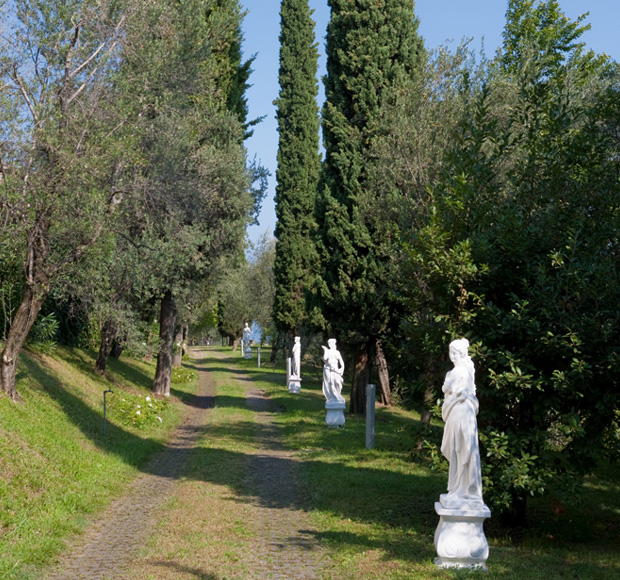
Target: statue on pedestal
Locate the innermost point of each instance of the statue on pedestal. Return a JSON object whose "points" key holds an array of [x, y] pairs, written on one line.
{"points": [[294, 379], [459, 537], [296, 370], [333, 369]]}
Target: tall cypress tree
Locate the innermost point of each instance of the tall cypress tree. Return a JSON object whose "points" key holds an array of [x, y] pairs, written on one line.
{"points": [[298, 164], [372, 48]]}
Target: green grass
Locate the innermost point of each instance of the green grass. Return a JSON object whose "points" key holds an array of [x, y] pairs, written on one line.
{"points": [[374, 508], [57, 467]]}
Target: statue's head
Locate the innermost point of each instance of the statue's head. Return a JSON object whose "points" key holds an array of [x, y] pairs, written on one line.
{"points": [[331, 343], [458, 349], [297, 338]]}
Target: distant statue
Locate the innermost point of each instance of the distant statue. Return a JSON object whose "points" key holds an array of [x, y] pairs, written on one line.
{"points": [[247, 350], [296, 367], [460, 436], [333, 370]]}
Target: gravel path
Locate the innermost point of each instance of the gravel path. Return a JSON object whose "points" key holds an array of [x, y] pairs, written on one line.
{"points": [[285, 548]]}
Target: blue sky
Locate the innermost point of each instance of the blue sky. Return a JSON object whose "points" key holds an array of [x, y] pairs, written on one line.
{"points": [[440, 21]]}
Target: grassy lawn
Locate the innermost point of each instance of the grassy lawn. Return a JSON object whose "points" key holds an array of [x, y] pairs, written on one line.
{"points": [[56, 466]]}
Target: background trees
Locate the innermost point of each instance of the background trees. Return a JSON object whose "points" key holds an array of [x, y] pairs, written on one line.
{"points": [[298, 166], [372, 49]]}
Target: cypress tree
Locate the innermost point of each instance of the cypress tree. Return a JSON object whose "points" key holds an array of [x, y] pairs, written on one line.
{"points": [[298, 164], [372, 48]]}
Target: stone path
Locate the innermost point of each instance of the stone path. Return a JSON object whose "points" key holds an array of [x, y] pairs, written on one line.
{"points": [[286, 547]]}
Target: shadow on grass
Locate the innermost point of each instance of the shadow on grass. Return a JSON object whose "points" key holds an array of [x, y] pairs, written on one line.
{"points": [[196, 573]]}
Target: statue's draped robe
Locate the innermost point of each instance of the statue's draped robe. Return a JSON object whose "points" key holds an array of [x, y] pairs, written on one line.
{"points": [[460, 435], [332, 379]]}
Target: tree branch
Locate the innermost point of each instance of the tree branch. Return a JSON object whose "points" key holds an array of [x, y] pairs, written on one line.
{"points": [[22, 89]]}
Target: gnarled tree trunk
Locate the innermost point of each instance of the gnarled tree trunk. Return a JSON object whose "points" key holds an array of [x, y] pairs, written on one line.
{"points": [[167, 315], [179, 338], [384, 374], [109, 332], [361, 375], [20, 327]]}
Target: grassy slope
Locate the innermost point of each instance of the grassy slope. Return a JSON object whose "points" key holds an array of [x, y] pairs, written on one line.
{"points": [[56, 466]]}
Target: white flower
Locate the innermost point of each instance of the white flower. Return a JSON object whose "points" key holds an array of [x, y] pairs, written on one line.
{"points": [[138, 406], [150, 405], [159, 419], [147, 399], [137, 412]]}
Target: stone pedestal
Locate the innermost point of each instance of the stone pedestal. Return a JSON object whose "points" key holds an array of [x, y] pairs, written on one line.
{"points": [[248, 352], [294, 385], [459, 538], [335, 413]]}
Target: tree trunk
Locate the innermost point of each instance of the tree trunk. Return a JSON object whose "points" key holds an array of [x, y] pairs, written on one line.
{"points": [[274, 348], [167, 315], [361, 375], [117, 347], [384, 375], [20, 327], [109, 332], [177, 357]]}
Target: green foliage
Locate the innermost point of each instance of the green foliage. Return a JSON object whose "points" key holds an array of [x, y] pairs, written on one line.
{"points": [[246, 291], [372, 51], [298, 165], [43, 334], [520, 253]]}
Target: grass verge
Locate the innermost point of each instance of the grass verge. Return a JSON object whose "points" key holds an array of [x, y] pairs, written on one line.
{"points": [[56, 466]]}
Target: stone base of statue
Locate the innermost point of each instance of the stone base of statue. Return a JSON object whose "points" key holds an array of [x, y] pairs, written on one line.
{"points": [[459, 538], [335, 413], [294, 385], [247, 353]]}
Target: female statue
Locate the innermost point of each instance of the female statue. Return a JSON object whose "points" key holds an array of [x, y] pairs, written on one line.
{"points": [[333, 370], [296, 369], [460, 435]]}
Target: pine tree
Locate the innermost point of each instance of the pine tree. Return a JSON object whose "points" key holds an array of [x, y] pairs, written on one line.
{"points": [[372, 47], [298, 163]]}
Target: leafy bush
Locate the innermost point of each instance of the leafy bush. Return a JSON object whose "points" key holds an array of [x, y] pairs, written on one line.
{"points": [[42, 336]]}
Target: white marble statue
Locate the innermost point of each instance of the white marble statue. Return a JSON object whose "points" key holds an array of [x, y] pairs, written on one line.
{"points": [[333, 370], [296, 366], [247, 349], [459, 538], [460, 436]]}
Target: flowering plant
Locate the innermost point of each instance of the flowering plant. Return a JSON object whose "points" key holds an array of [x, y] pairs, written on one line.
{"points": [[139, 411]]}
